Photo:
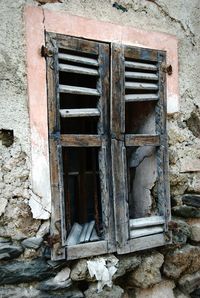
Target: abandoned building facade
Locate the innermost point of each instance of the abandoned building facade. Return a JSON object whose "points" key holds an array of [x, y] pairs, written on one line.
{"points": [[99, 149]]}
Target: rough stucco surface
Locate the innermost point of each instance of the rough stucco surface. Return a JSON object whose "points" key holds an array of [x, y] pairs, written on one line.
{"points": [[181, 18]]}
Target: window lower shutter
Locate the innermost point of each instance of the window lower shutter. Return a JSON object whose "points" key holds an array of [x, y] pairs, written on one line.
{"points": [[142, 194], [78, 95]]}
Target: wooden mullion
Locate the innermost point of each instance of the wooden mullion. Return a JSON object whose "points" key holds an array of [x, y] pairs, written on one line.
{"points": [[163, 152], [141, 140], [118, 150], [55, 155]]}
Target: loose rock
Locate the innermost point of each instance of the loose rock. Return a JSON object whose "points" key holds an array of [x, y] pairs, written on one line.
{"points": [[127, 263], [115, 292], [191, 200], [186, 211], [148, 272], [60, 281], [9, 251], [195, 232], [33, 242], [184, 260], [189, 283]]}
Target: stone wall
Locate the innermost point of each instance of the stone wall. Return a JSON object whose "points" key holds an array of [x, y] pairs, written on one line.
{"points": [[25, 266]]}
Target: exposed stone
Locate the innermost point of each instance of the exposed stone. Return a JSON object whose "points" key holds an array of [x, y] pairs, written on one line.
{"points": [[80, 270], [24, 291], [33, 242], [179, 294], [193, 122], [28, 271], [3, 204], [44, 229], [9, 251], [195, 232], [189, 283], [178, 183], [181, 232], [127, 263], [148, 273], [184, 260], [161, 290], [60, 281], [190, 164], [191, 200], [195, 294], [186, 211], [194, 185], [17, 221], [30, 253], [107, 292], [5, 240], [19, 292]]}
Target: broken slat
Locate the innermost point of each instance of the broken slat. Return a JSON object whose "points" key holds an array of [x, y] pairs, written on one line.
{"points": [[141, 86], [78, 59], [89, 230], [68, 113], [83, 232], [140, 97], [78, 69], [146, 222], [146, 231], [74, 234], [78, 90], [141, 75], [140, 65], [142, 140], [70, 140]]}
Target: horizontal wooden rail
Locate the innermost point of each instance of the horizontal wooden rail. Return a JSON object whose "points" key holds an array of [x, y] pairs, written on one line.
{"points": [[146, 222], [141, 75], [146, 231], [142, 140], [71, 140]]}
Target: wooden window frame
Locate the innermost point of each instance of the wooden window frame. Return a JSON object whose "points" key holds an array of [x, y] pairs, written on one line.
{"points": [[115, 202]]}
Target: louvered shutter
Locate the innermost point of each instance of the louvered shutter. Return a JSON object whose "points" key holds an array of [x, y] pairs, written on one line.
{"points": [[139, 148], [78, 95]]}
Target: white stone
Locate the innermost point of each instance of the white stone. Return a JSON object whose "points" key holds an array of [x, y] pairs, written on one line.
{"points": [[62, 275], [195, 232], [3, 204], [44, 229], [37, 208]]}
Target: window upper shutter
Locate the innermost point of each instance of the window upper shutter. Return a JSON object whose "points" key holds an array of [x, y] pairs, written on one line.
{"points": [[78, 107], [139, 148]]}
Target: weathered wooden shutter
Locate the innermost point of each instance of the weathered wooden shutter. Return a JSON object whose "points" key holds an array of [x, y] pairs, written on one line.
{"points": [[139, 148], [78, 98]]}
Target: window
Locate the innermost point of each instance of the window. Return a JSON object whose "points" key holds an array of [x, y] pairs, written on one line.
{"points": [[108, 147]]}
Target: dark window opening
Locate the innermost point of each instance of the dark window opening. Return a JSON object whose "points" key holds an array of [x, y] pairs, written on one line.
{"points": [[82, 195]]}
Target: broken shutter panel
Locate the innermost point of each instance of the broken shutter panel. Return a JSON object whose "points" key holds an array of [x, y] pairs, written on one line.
{"points": [[145, 143], [79, 127]]}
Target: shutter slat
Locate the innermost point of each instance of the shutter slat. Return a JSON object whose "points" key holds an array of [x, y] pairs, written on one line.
{"points": [[141, 86], [78, 69], [140, 65], [78, 59], [141, 75], [140, 97], [78, 90], [146, 231], [65, 113], [146, 222]]}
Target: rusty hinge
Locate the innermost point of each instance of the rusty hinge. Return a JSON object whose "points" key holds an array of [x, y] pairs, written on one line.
{"points": [[45, 52], [167, 68]]}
